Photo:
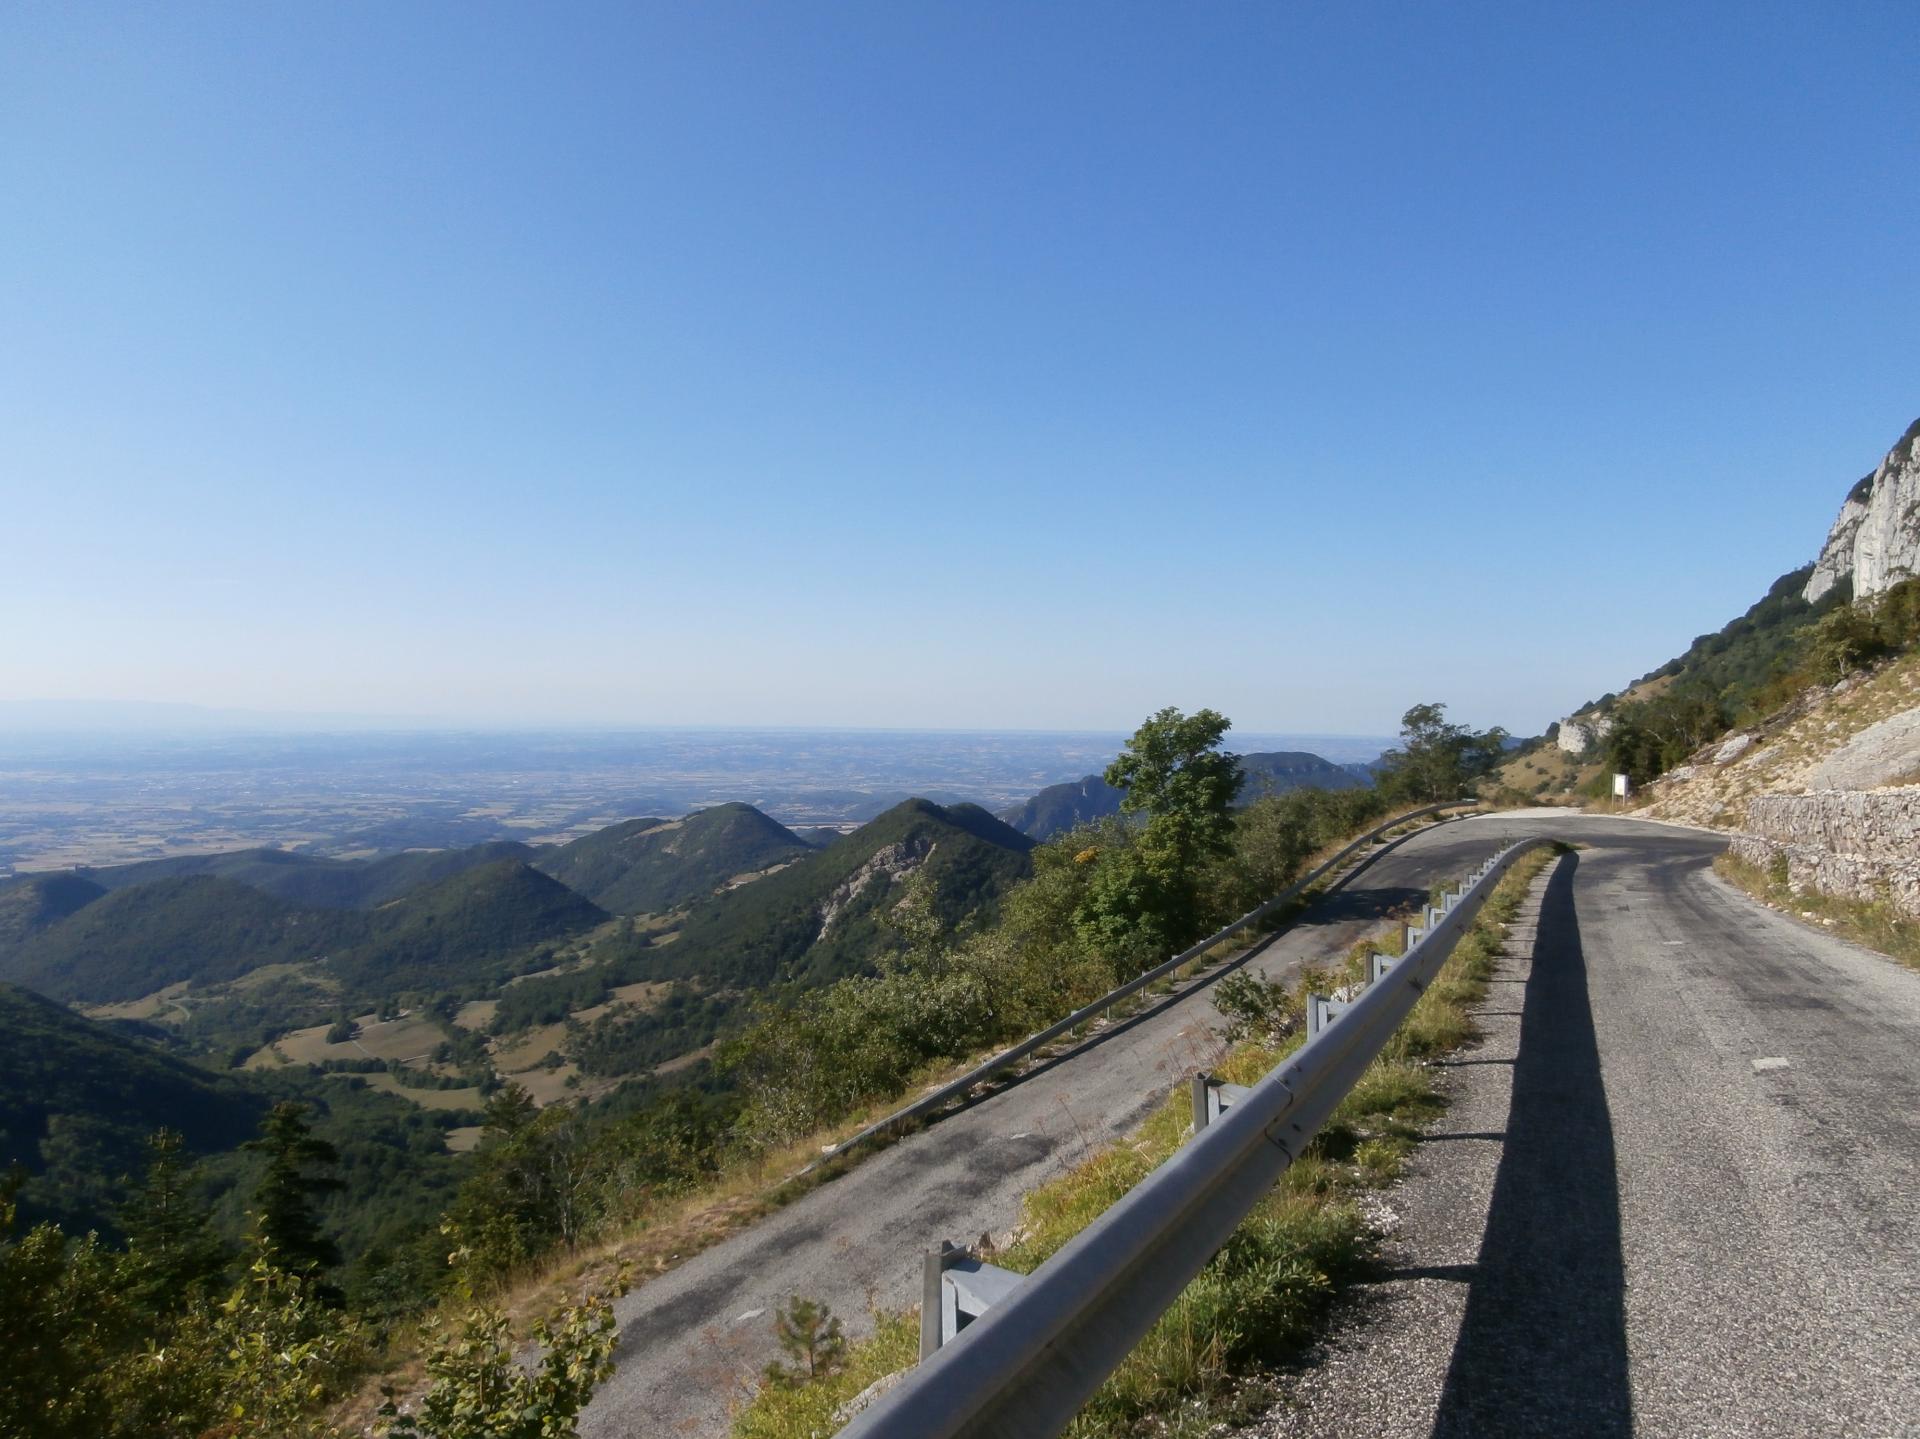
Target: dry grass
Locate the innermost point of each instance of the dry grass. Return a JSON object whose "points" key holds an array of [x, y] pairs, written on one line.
{"points": [[157, 1005], [1878, 926], [411, 1037], [640, 995], [469, 1098]]}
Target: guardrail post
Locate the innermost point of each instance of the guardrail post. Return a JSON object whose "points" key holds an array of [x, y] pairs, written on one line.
{"points": [[1413, 934], [1379, 964], [931, 1285], [1322, 1011], [956, 1289], [1213, 1098]]}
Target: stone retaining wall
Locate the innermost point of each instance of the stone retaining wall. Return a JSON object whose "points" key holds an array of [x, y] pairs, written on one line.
{"points": [[1859, 844]]}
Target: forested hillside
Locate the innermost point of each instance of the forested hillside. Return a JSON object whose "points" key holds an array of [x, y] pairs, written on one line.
{"points": [[200, 927], [458, 929], [77, 1102], [648, 866], [824, 915]]}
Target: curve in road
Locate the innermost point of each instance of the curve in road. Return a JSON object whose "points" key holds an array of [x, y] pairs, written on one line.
{"points": [[694, 1339]]}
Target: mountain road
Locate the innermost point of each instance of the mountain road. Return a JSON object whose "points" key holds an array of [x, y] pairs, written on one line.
{"points": [[1781, 1212]]}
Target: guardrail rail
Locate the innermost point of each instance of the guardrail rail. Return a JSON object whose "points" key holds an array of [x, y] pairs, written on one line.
{"points": [[938, 1098], [1034, 1348]]}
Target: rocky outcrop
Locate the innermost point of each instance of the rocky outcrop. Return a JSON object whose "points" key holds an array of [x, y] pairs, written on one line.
{"points": [[1579, 733], [1880, 754], [1858, 844], [889, 865], [1875, 542]]}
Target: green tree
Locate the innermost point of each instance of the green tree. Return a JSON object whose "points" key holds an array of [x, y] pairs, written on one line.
{"points": [[284, 1199], [62, 1322], [173, 1253], [1436, 760], [1651, 736], [1143, 897], [810, 1335], [1175, 773]]}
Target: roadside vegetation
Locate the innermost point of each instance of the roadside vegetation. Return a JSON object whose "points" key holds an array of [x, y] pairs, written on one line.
{"points": [[1879, 925], [1210, 1358], [270, 1335]]}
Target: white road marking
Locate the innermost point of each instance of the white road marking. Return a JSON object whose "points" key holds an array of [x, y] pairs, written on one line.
{"points": [[1761, 1066], [750, 1314], [1023, 1134]]}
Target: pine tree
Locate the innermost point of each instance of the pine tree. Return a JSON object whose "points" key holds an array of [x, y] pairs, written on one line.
{"points": [[283, 1201], [173, 1254], [810, 1334]]}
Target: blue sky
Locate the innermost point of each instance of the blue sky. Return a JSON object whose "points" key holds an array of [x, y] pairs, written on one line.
{"points": [[946, 365]]}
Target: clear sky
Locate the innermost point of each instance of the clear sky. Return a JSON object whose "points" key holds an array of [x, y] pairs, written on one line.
{"points": [[936, 365]]}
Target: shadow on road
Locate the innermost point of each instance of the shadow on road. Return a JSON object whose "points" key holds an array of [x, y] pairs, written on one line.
{"points": [[1543, 1345]]}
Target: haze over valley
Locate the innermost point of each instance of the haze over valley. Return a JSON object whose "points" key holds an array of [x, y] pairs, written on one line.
{"points": [[94, 796]]}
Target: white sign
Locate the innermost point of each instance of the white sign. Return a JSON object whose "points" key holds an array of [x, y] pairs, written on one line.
{"points": [[1619, 786]]}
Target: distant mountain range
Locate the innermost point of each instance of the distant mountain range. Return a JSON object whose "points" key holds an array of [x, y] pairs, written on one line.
{"points": [[746, 902], [1061, 807]]}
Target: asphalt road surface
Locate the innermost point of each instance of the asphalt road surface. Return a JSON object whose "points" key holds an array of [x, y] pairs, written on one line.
{"points": [[1674, 1208], [1676, 1191]]}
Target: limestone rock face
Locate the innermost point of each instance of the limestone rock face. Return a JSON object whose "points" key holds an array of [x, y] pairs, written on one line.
{"points": [[1880, 754], [1875, 542], [1578, 733]]}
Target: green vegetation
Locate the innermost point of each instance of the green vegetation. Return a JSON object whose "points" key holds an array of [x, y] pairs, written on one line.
{"points": [[1437, 761], [133, 941], [315, 882], [207, 929], [1147, 896], [1258, 1300], [295, 1176], [36, 902], [1755, 666], [773, 930], [100, 1345], [1104, 903], [649, 866], [479, 1389], [78, 1102], [1062, 807], [812, 1340], [453, 930]]}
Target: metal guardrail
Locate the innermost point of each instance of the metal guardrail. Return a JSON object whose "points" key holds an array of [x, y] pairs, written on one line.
{"points": [[1006, 1058], [1023, 1368]]}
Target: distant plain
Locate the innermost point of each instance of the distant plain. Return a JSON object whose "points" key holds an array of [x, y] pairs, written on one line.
{"points": [[98, 798]]}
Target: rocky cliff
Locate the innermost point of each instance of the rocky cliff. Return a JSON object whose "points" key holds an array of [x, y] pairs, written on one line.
{"points": [[1875, 542]]}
